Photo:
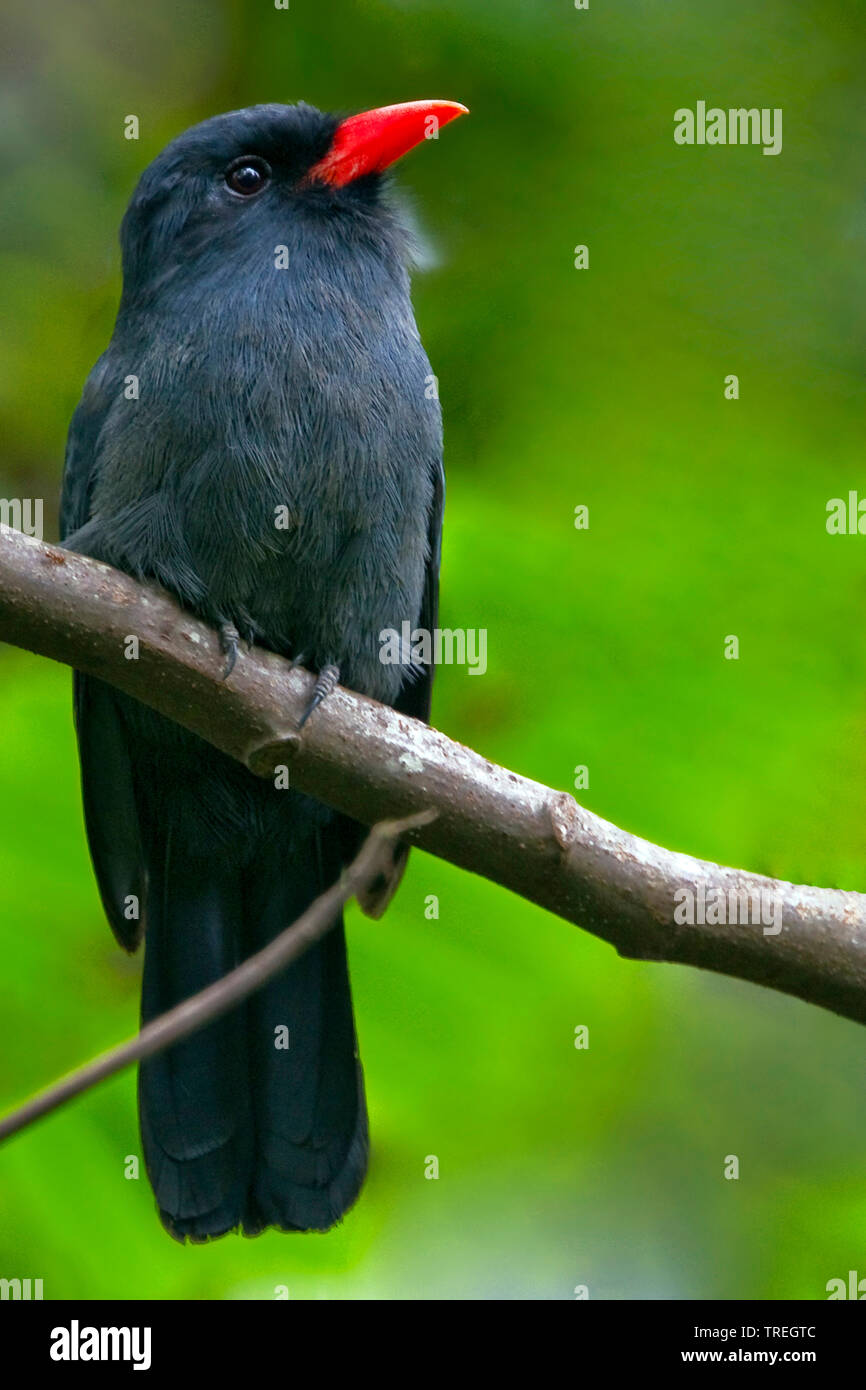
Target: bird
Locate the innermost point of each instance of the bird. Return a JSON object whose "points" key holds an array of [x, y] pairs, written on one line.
{"points": [[262, 438]]}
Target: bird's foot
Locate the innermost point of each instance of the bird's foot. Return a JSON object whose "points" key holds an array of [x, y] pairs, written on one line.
{"points": [[233, 634], [326, 681], [230, 640]]}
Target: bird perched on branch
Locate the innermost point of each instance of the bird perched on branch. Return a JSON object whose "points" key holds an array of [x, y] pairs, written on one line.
{"points": [[260, 438]]}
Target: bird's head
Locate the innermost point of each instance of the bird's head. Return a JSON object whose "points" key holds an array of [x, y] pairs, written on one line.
{"points": [[238, 183]]}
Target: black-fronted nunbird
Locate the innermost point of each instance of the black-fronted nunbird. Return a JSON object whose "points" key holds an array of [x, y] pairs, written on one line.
{"points": [[262, 437]]}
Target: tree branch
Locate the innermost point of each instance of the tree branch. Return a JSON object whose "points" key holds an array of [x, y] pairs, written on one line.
{"points": [[202, 1008], [372, 763]]}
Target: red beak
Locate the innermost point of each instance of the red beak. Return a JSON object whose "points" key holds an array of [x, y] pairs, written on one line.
{"points": [[370, 142]]}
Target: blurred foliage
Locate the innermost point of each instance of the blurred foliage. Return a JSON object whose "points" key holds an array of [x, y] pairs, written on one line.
{"points": [[559, 387]]}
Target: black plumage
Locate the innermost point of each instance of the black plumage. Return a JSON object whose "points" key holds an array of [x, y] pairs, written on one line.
{"points": [[260, 437]]}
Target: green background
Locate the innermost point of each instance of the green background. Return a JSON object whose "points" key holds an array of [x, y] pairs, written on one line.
{"points": [[605, 387]]}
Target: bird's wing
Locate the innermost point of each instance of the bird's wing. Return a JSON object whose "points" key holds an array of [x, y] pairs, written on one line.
{"points": [[414, 699], [110, 814], [79, 466]]}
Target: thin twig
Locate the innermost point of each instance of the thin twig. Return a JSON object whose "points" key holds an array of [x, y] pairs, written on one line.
{"points": [[224, 994]]}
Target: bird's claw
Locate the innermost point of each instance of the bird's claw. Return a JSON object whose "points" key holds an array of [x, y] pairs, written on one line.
{"points": [[230, 642], [326, 681]]}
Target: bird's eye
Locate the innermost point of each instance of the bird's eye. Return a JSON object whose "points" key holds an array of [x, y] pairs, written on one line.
{"points": [[248, 175]]}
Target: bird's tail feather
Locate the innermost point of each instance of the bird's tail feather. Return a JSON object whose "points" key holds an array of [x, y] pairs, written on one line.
{"points": [[258, 1120], [194, 1098], [309, 1112]]}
